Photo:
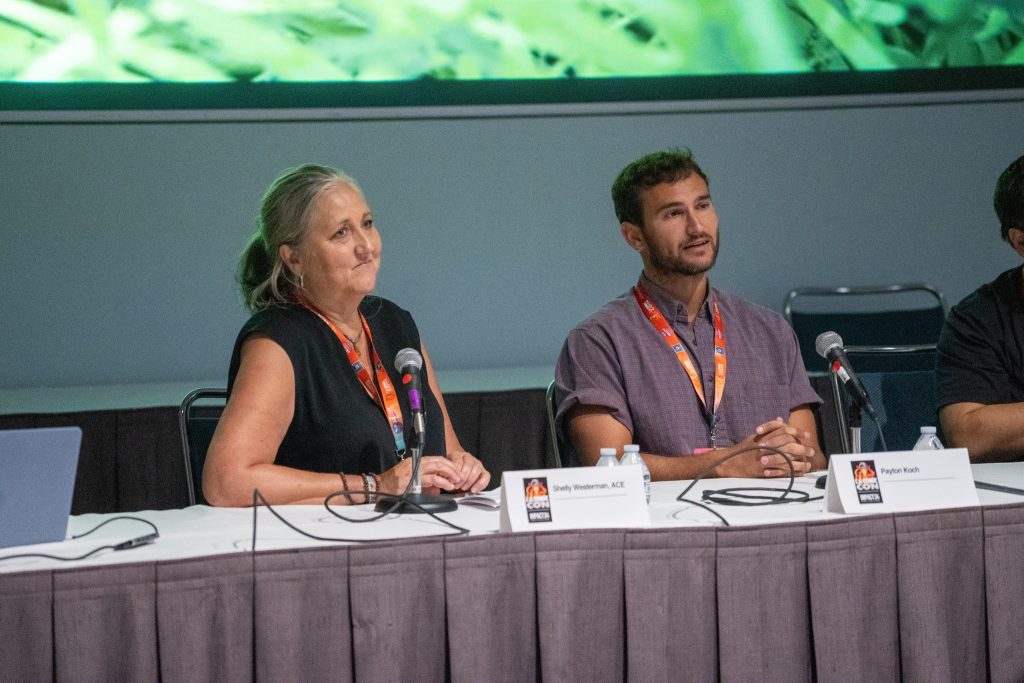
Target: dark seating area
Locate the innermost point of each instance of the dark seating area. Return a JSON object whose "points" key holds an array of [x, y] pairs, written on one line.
{"points": [[885, 327], [133, 459]]}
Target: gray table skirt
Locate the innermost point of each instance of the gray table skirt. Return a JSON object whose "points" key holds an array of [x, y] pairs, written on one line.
{"points": [[931, 596]]}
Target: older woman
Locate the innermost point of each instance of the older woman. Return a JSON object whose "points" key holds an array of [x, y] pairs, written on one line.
{"points": [[313, 406]]}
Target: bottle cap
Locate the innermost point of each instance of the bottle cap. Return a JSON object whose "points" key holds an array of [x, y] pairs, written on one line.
{"points": [[631, 447], [929, 430], [607, 451]]}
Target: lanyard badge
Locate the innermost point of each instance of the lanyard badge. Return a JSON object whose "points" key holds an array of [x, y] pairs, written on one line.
{"points": [[650, 310], [387, 398]]}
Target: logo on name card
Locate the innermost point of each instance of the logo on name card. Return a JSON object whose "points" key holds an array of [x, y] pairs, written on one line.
{"points": [[865, 481], [538, 504]]}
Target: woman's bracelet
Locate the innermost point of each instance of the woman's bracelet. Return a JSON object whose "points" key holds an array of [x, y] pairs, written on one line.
{"points": [[344, 486], [370, 488]]}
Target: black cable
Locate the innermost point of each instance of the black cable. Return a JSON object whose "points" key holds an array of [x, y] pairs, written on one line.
{"points": [[385, 513], [729, 456], [878, 425], [737, 495], [398, 501], [114, 519], [706, 507], [57, 557], [123, 545], [257, 499]]}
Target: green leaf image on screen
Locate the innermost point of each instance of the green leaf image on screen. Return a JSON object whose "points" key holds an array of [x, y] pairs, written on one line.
{"points": [[217, 41], [334, 55]]}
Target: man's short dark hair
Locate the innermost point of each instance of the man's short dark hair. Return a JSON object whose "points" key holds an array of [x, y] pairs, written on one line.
{"points": [[648, 171], [1009, 198]]}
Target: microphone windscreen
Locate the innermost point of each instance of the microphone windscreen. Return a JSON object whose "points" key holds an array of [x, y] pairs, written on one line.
{"points": [[827, 341], [408, 357]]}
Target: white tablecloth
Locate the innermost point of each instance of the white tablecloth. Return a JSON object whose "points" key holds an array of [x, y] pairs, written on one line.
{"points": [[201, 530]]}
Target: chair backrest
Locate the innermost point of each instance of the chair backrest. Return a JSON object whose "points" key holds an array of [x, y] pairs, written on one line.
{"points": [[826, 416], [873, 320], [200, 410], [892, 358], [560, 449], [903, 402], [554, 442]]}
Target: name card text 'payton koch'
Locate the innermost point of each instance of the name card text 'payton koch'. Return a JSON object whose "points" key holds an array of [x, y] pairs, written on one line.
{"points": [[900, 481]]}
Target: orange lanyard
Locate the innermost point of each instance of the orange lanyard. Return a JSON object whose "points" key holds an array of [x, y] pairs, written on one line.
{"points": [[387, 398], [672, 339]]}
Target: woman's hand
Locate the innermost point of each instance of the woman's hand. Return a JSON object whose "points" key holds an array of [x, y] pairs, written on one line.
{"points": [[437, 473], [473, 476]]}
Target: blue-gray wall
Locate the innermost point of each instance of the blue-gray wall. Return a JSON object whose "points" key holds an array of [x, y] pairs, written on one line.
{"points": [[119, 240]]}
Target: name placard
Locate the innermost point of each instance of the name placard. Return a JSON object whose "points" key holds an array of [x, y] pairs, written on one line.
{"points": [[899, 481], [573, 498]]}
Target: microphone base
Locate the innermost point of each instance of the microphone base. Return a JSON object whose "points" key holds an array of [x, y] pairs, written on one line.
{"points": [[426, 503]]}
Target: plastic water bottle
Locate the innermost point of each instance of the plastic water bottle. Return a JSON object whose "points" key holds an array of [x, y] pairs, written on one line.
{"points": [[607, 458], [631, 456], [928, 441]]}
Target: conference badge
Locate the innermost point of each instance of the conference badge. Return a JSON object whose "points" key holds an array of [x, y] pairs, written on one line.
{"points": [[865, 481], [538, 503]]}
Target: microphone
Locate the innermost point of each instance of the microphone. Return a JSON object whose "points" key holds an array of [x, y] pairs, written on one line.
{"points": [[409, 362], [829, 346]]}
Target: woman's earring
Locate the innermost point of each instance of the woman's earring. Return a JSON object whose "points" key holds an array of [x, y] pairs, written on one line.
{"points": [[302, 282]]}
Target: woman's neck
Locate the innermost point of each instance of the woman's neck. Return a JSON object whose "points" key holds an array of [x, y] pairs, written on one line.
{"points": [[344, 314]]}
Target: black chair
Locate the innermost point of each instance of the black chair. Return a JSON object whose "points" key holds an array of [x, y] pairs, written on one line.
{"points": [[903, 401], [197, 423], [560, 450], [826, 416], [916, 357], [553, 441], [884, 328]]}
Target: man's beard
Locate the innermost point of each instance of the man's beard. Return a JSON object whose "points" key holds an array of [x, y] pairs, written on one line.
{"points": [[674, 263]]}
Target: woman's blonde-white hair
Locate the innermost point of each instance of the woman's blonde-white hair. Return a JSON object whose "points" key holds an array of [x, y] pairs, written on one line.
{"points": [[286, 212]]}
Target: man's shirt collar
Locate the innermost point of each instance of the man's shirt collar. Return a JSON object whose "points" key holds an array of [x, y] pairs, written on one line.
{"points": [[670, 307]]}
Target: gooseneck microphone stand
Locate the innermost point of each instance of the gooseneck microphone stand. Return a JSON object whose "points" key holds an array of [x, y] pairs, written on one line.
{"points": [[416, 501], [409, 361], [855, 425]]}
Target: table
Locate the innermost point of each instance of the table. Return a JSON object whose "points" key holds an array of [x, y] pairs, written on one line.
{"points": [[786, 594]]}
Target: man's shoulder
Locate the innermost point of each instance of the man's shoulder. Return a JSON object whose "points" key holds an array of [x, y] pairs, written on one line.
{"points": [[1000, 293], [613, 314], [749, 312], [622, 313]]}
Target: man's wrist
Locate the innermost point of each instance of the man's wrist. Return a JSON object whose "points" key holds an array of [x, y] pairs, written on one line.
{"points": [[722, 469]]}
